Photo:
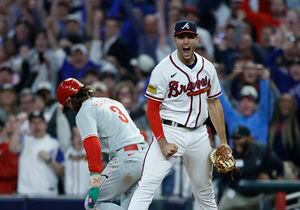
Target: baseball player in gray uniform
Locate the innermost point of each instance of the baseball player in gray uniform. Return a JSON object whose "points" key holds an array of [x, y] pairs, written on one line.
{"points": [[182, 92], [105, 120]]}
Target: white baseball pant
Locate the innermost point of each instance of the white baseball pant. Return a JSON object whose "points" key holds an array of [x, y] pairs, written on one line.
{"points": [[194, 147], [119, 177]]}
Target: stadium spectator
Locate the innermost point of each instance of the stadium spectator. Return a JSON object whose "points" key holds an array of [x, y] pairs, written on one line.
{"points": [[143, 66], [253, 115], [41, 160], [6, 75], [284, 131], [58, 122], [125, 92], [26, 99], [255, 162], [78, 64], [91, 76], [191, 13], [287, 79], [8, 155], [76, 167], [8, 100], [100, 89], [261, 19]]}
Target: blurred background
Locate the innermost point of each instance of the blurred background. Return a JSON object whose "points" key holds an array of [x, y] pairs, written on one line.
{"points": [[113, 45]]}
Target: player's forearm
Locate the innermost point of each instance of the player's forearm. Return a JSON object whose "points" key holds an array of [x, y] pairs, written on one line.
{"points": [[93, 154], [217, 117], [155, 119]]}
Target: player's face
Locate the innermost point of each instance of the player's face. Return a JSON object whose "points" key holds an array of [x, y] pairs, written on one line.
{"points": [[186, 45], [73, 104]]}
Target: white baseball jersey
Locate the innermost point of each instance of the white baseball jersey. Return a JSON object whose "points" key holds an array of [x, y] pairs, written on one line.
{"points": [[77, 174], [35, 176], [109, 120], [183, 91]]}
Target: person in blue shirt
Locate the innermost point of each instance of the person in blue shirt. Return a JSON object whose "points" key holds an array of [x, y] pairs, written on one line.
{"points": [[250, 113], [78, 64]]}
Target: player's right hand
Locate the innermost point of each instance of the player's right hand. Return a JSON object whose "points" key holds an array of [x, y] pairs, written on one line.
{"points": [[93, 196], [168, 149]]}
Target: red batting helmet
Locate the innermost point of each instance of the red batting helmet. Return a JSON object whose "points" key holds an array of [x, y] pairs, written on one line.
{"points": [[67, 88]]}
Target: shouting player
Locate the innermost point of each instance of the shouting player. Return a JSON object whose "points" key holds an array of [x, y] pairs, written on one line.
{"points": [[105, 120], [182, 92]]}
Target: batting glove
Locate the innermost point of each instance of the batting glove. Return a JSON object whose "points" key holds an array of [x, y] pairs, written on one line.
{"points": [[93, 194]]}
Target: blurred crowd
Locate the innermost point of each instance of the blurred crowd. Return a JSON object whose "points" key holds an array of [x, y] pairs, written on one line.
{"points": [[113, 45]]}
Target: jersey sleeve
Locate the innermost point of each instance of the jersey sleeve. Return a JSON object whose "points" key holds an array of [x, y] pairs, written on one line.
{"points": [[60, 156], [87, 123], [215, 88], [157, 86]]}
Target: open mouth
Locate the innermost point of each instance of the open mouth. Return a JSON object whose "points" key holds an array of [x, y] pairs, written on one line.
{"points": [[186, 50]]}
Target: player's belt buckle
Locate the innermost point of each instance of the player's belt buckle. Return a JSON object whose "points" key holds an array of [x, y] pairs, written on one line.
{"points": [[172, 123], [131, 147]]}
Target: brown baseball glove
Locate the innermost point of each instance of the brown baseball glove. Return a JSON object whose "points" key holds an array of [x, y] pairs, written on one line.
{"points": [[222, 159]]}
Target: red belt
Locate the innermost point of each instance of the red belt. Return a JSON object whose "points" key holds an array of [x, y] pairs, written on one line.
{"points": [[131, 147]]}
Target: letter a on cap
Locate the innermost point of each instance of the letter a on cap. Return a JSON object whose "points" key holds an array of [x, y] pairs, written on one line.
{"points": [[186, 26]]}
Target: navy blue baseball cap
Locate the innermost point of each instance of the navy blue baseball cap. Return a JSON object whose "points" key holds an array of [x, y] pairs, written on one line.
{"points": [[36, 114], [240, 132], [185, 26]]}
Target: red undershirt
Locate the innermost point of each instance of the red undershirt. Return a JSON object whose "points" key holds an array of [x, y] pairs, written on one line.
{"points": [[93, 153], [155, 119]]}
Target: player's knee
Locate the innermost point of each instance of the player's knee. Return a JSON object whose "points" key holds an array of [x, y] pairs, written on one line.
{"points": [[204, 189], [150, 185]]}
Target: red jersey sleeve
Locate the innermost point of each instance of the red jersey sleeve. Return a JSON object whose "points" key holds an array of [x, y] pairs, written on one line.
{"points": [[93, 153], [154, 118]]}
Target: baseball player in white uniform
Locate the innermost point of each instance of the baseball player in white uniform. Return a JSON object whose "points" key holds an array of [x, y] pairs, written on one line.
{"points": [[105, 120], [182, 92]]}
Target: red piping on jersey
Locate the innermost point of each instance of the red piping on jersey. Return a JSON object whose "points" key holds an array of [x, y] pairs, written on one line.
{"points": [[153, 97], [154, 118], [201, 91], [93, 153], [191, 102], [107, 175], [147, 155]]}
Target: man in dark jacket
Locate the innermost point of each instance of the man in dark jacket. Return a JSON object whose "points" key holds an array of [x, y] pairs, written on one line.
{"points": [[255, 162]]}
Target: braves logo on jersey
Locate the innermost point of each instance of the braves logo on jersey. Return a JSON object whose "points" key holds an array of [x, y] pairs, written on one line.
{"points": [[192, 88]]}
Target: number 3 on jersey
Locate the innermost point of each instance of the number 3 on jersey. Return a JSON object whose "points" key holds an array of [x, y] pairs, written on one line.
{"points": [[121, 116]]}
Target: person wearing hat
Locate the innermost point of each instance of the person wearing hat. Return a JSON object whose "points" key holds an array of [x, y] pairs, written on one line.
{"points": [[77, 64], [41, 160], [182, 91], [255, 161], [253, 110], [73, 29], [143, 66]]}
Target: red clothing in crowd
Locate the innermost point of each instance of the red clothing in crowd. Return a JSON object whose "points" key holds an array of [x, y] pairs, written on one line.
{"points": [[258, 20], [264, 7], [8, 170]]}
